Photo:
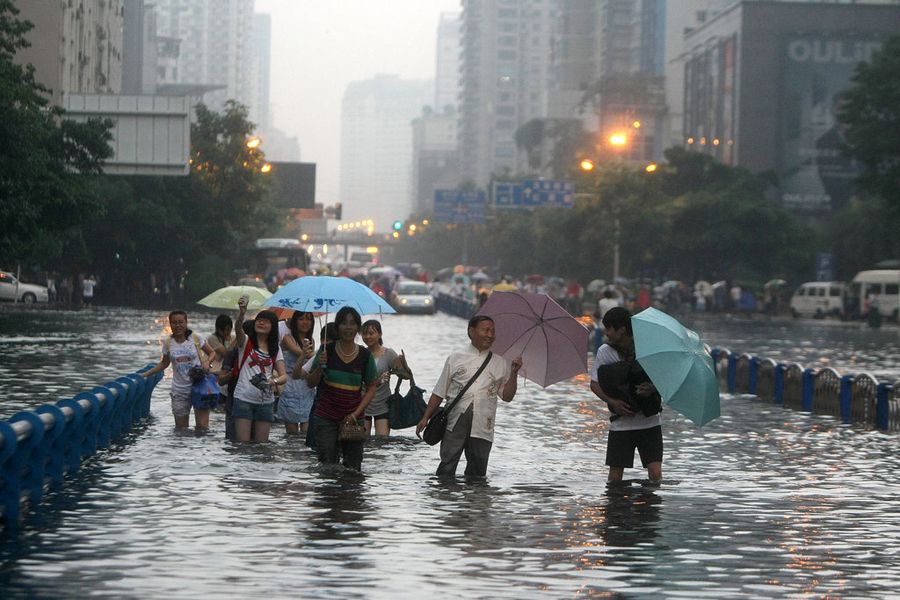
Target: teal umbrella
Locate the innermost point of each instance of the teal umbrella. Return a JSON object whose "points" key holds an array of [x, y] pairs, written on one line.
{"points": [[678, 365]]}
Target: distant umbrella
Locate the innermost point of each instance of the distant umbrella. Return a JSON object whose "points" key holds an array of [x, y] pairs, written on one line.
{"points": [[227, 298]]}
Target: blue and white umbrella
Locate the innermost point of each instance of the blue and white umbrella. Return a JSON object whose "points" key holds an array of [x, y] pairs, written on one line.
{"points": [[324, 294]]}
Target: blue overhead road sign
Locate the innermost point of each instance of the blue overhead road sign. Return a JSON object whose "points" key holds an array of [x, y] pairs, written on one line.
{"points": [[453, 206], [533, 193]]}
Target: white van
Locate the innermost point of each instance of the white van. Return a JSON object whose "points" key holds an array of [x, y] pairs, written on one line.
{"points": [[884, 284], [820, 299]]}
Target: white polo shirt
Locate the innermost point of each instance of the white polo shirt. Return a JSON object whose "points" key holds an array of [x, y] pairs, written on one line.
{"points": [[607, 355], [458, 369]]}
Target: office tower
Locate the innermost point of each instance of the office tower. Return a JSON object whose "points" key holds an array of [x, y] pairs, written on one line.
{"points": [[76, 46], [376, 147], [504, 74], [446, 80]]}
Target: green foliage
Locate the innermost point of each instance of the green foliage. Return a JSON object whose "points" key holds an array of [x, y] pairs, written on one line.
{"points": [[871, 115], [692, 219], [201, 224], [47, 163]]}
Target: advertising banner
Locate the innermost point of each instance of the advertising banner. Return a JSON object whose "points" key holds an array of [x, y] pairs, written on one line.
{"points": [[814, 174]]}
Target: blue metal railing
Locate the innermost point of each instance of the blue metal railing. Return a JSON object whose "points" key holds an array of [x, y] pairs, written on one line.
{"points": [[854, 398], [39, 448]]}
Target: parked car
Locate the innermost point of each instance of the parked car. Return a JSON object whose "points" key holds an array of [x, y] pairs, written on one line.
{"points": [[820, 299], [411, 296], [11, 289]]}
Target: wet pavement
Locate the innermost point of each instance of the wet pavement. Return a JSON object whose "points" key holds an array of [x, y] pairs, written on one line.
{"points": [[763, 502]]}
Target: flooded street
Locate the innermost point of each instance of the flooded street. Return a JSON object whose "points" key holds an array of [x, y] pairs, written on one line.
{"points": [[764, 501]]}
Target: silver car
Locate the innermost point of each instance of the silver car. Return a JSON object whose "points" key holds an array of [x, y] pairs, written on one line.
{"points": [[12, 289], [412, 297]]}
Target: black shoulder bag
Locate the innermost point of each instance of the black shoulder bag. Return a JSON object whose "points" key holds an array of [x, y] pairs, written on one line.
{"points": [[434, 431]]}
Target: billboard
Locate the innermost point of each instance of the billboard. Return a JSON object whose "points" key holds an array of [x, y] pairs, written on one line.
{"points": [[814, 174]]}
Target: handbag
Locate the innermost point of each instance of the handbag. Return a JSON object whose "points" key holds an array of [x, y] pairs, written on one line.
{"points": [[352, 431], [437, 425], [406, 410], [205, 393]]}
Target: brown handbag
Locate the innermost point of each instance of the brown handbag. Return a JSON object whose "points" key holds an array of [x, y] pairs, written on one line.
{"points": [[354, 431]]}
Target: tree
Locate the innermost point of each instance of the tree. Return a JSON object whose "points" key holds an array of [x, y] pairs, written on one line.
{"points": [[201, 224], [46, 162], [870, 112]]}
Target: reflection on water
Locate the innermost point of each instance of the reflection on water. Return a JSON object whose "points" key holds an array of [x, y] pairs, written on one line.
{"points": [[762, 502]]}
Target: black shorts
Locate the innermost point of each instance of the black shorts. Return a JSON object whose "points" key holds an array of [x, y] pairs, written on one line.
{"points": [[382, 416], [621, 444]]}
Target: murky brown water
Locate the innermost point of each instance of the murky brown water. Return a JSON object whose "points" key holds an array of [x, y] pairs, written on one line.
{"points": [[762, 502]]}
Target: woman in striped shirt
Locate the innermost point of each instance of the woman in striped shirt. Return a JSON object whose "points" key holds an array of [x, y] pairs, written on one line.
{"points": [[343, 368]]}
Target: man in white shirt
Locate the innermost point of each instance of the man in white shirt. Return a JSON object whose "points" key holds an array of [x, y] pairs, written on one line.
{"points": [[631, 429], [470, 423]]}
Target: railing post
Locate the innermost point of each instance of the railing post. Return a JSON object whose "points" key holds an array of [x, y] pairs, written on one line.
{"points": [[881, 405], [732, 372], [30, 456], [846, 397], [753, 375], [121, 419], [779, 383], [91, 423], [56, 443], [75, 440], [107, 412], [809, 375], [10, 482]]}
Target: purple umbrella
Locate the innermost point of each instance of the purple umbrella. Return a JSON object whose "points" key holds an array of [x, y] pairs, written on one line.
{"points": [[552, 343]]}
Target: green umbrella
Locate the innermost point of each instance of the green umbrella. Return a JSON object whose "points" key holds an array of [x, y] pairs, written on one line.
{"points": [[678, 365], [227, 297]]}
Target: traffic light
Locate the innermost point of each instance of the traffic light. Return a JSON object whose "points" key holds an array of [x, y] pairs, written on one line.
{"points": [[398, 225], [338, 208]]}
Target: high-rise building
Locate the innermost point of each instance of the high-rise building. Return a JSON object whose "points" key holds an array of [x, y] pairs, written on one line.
{"points": [[214, 47], [260, 74], [506, 51], [76, 46], [446, 78], [763, 82], [435, 163], [376, 147]]}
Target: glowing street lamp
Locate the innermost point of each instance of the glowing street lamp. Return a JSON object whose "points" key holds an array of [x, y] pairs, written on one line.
{"points": [[254, 142], [586, 165], [618, 140], [265, 168], [651, 168]]}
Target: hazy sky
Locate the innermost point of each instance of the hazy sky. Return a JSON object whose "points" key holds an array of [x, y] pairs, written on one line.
{"points": [[319, 46]]}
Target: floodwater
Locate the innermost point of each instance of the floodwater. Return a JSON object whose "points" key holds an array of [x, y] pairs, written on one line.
{"points": [[763, 502]]}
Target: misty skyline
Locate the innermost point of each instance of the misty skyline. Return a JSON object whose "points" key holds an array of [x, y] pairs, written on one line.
{"points": [[318, 48]]}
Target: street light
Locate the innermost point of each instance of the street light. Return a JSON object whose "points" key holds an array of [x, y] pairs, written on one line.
{"points": [[618, 140], [254, 142], [586, 165], [651, 168], [265, 168]]}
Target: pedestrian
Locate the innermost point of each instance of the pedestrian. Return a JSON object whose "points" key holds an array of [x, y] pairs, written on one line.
{"points": [[260, 370], [87, 287], [605, 303], [387, 361], [327, 335], [221, 341], [482, 376], [51, 287], [183, 350], [629, 428], [297, 397], [227, 379], [343, 368]]}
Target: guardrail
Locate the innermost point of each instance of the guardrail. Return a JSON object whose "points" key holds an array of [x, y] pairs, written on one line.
{"points": [[853, 398], [39, 448], [456, 306]]}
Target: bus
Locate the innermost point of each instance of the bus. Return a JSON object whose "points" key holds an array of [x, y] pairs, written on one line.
{"points": [[271, 256]]}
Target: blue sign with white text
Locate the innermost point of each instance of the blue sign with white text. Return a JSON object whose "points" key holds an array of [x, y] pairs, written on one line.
{"points": [[453, 206], [534, 193]]}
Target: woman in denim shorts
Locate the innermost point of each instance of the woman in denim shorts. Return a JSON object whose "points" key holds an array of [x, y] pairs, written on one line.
{"points": [[261, 369]]}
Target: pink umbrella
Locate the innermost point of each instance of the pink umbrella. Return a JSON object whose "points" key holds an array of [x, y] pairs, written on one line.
{"points": [[552, 343]]}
